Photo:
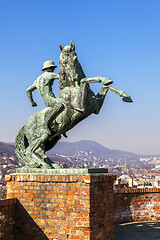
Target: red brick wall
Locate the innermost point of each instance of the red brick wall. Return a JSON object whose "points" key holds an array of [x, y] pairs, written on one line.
{"points": [[63, 206], [7, 219], [137, 205], [102, 208]]}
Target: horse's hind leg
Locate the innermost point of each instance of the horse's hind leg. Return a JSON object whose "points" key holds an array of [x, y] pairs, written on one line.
{"points": [[41, 134], [41, 153], [49, 144], [36, 143], [31, 150]]}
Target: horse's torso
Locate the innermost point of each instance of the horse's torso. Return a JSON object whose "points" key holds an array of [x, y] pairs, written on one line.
{"points": [[75, 109]]}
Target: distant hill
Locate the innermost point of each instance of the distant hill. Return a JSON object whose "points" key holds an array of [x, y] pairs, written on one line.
{"points": [[68, 148], [61, 160], [7, 148]]}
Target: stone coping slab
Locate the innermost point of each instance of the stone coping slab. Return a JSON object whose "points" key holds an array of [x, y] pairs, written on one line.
{"points": [[60, 177], [63, 170]]}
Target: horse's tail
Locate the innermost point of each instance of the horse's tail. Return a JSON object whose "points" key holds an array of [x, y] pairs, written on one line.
{"points": [[21, 143]]}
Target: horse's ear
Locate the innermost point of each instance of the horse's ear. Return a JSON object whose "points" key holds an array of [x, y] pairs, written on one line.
{"points": [[72, 45], [61, 48]]}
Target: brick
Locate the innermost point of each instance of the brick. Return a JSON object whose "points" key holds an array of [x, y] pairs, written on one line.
{"points": [[141, 202], [64, 206], [7, 178]]}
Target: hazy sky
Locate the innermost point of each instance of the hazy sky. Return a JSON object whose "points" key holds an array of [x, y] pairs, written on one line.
{"points": [[119, 39]]}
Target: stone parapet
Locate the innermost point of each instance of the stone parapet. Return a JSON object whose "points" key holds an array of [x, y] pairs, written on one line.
{"points": [[137, 205], [137, 190], [63, 206]]}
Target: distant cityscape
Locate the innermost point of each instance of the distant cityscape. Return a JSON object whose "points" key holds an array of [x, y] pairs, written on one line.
{"points": [[131, 170]]}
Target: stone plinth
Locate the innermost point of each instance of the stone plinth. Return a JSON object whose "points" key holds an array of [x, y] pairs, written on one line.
{"points": [[63, 206]]}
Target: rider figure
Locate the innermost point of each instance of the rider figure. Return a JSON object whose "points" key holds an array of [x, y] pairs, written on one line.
{"points": [[44, 84]]}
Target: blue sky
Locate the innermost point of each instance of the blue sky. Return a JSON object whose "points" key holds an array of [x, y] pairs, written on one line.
{"points": [[119, 39]]}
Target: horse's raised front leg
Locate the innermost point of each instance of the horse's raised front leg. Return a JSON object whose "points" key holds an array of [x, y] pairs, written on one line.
{"points": [[100, 99], [104, 81], [125, 97]]}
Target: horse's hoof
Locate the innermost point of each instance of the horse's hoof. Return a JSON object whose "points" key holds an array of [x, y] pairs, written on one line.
{"points": [[127, 99], [65, 135], [36, 165], [56, 166], [46, 166]]}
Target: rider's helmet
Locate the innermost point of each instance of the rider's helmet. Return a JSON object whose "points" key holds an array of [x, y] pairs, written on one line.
{"points": [[48, 64]]}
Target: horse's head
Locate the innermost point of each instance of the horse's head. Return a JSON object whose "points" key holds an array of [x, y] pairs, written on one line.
{"points": [[68, 53], [70, 69]]}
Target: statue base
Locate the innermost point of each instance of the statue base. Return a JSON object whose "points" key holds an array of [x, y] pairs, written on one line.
{"points": [[63, 170], [63, 205]]}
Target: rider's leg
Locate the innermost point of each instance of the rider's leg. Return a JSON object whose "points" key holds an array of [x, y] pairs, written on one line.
{"points": [[54, 103]]}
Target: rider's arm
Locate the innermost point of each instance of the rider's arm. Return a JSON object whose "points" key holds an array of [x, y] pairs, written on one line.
{"points": [[55, 76], [51, 78], [29, 94]]}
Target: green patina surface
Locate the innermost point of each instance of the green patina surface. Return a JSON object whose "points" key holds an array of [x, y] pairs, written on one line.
{"points": [[75, 102]]}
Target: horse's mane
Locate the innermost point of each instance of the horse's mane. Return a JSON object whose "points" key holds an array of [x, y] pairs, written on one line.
{"points": [[67, 64], [63, 80]]}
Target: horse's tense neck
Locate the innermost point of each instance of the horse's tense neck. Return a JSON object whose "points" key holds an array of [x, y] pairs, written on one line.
{"points": [[67, 73], [79, 71]]}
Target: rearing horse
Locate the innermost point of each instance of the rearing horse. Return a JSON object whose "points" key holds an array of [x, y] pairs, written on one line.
{"points": [[44, 129]]}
